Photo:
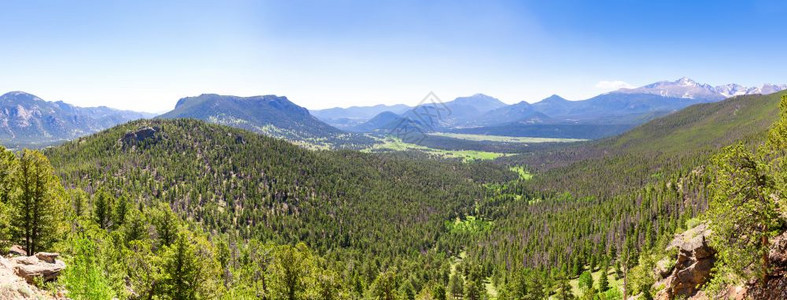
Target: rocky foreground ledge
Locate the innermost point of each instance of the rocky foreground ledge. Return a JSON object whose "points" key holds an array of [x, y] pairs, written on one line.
{"points": [[18, 274], [683, 276]]}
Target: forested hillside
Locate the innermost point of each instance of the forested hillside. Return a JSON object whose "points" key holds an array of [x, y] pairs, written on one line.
{"points": [[270, 115], [367, 213], [599, 206], [159, 209]]}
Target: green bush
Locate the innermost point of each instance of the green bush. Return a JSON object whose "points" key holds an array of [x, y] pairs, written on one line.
{"points": [[83, 278]]}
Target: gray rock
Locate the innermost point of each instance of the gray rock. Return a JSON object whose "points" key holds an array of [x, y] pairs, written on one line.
{"points": [[31, 267], [693, 264]]}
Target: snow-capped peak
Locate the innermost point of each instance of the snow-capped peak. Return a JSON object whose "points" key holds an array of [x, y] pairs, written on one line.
{"points": [[685, 81], [690, 89]]}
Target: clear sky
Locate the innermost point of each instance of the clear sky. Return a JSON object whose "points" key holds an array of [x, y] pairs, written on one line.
{"points": [[145, 55]]}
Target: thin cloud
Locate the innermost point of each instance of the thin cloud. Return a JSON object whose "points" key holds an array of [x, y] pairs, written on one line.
{"points": [[612, 85]]}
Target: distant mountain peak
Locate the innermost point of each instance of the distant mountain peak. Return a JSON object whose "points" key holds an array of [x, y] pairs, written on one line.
{"points": [[19, 95], [553, 98], [477, 98], [268, 114], [685, 81], [479, 102], [687, 88], [29, 121], [482, 95]]}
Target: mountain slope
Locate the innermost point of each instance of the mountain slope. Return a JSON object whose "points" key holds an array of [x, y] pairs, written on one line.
{"points": [[29, 121], [609, 108], [629, 192], [521, 112], [480, 102], [384, 121], [237, 182], [613, 113], [344, 118], [678, 141], [462, 111], [270, 115]]}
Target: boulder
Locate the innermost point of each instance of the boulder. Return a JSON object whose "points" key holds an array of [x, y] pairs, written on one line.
{"points": [[17, 250], [31, 267], [13, 287], [692, 267], [47, 256]]}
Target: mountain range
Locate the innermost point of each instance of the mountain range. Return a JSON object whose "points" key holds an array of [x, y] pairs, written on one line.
{"points": [[603, 115], [690, 89], [344, 118], [29, 121]]}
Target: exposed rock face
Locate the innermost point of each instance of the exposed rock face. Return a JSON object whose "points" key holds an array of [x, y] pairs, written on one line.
{"points": [[31, 267], [778, 253], [693, 266], [17, 250], [27, 120], [17, 275], [47, 256], [775, 286], [142, 134], [695, 260]]}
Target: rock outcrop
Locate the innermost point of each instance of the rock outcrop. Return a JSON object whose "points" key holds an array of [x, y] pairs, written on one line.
{"points": [[17, 250], [692, 268], [696, 259], [17, 275], [32, 267], [140, 135], [775, 285]]}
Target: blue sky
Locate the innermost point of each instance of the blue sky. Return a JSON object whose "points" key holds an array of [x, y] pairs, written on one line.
{"points": [[144, 55]]}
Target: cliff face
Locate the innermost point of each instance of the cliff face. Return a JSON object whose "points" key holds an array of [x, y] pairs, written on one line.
{"points": [[692, 268], [696, 259]]}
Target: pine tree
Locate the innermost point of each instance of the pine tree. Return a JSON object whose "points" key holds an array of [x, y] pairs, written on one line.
{"points": [[564, 288], [603, 281], [456, 285], [78, 202], [181, 270], [102, 210], [120, 211], [407, 291], [384, 286], [291, 271], [166, 223], [38, 205], [438, 293], [8, 164], [135, 228], [585, 281], [8, 167], [741, 202], [472, 290]]}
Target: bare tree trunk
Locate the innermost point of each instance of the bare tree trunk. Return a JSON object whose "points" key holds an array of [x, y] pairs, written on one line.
{"points": [[765, 261]]}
